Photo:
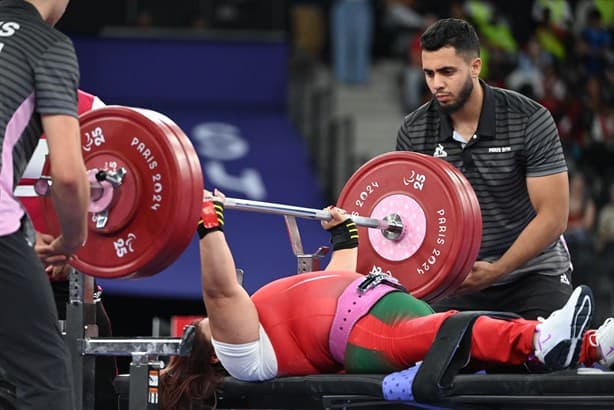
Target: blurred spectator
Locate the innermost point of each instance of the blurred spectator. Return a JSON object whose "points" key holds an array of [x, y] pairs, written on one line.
{"points": [[583, 8], [532, 64], [352, 31], [580, 225], [602, 127], [558, 13], [567, 117], [550, 37], [561, 98], [308, 30], [594, 44], [597, 125], [498, 48], [554, 90], [414, 92], [402, 20], [479, 11], [497, 32], [457, 10], [581, 210], [605, 229]]}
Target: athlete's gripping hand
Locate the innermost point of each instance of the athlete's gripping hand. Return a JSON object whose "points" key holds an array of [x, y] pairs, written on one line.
{"points": [[343, 230], [212, 213]]}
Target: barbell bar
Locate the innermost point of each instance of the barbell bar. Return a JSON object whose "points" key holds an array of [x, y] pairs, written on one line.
{"points": [[391, 226]]}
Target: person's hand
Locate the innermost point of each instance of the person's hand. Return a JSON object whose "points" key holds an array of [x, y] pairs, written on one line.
{"points": [[59, 272], [482, 275], [212, 213], [53, 251], [216, 195], [56, 264], [338, 216]]}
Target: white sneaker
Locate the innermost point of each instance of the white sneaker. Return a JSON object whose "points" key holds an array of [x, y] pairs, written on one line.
{"points": [[603, 340], [558, 339]]}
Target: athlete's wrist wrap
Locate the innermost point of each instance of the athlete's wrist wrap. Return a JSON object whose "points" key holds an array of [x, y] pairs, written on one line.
{"points": [[344, 235], [211, 217]]}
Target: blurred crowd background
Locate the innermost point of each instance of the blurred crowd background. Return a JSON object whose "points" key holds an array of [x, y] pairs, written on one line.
{"points": [[354, 71]]}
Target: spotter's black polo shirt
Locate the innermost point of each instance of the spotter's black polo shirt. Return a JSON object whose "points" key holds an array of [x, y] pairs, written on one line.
{"points": [[39, 75], [516, 138]]}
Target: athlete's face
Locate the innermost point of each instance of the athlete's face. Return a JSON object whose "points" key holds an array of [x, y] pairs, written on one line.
{"points": [[450, 77]]}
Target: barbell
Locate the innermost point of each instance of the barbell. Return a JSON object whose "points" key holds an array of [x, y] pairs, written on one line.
{"points": [[391, 225], [146, 184]]}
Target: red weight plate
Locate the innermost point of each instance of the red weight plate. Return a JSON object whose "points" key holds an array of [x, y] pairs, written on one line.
{"points": [[475, 238], [465, 229], [152, 217], [473, 229], [193, 207], [410, 181], [449, 275]]}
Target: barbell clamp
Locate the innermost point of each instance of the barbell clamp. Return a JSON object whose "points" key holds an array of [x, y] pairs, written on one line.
{"points": [[114, 177]]}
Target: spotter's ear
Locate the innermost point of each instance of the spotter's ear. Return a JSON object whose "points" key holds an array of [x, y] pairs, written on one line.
{"points": [[476, 67]]}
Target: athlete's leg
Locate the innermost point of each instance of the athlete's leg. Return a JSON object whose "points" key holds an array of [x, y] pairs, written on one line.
{"points": [[389, 338]]}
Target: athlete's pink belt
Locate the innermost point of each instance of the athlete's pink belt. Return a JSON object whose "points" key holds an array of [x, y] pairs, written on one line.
{"points": [[355, 302]]}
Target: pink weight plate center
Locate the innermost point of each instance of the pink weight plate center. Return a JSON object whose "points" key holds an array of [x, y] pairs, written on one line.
{"points": [[414, 228]]}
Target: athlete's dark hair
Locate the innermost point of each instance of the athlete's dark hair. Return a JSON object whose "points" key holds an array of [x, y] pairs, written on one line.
{"points": [[190, 382], [451, 32]]}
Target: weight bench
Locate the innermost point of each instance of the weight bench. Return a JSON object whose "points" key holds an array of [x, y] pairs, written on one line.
{"points": [[436, 383], [567, 389]]}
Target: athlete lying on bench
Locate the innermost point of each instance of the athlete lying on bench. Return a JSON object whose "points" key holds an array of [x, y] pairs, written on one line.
{"points": [[338, 320]]}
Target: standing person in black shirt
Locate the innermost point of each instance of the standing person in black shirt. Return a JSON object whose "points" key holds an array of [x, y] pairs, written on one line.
{"points": [[40, 76], [508, 147]]}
